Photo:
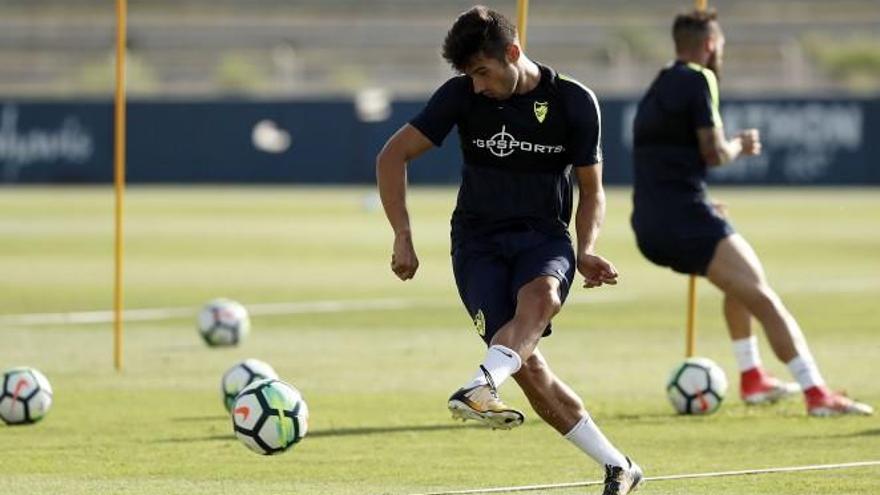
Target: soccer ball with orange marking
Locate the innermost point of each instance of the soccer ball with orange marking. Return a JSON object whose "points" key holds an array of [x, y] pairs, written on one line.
{"points": [[270, 416], [223, 322], [240, 376], [696, 386], [26, 396]]}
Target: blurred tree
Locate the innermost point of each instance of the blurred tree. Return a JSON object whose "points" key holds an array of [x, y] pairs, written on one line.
{"points": [[99, 76], [241, 72], [854, 61]]}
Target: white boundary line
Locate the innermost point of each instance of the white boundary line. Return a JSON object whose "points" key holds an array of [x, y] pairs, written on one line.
{"points": [[153, 314], [283, 308], [718, 474]]}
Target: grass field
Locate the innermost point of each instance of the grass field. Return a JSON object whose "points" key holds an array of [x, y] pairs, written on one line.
{"points": [[376, 380]]}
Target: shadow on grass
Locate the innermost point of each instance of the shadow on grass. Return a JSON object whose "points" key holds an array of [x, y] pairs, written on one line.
{"points": [[638, 418], [841, 436], [729, 415], [380, 430], [376, 430], [336, 432], [864, 433], [204, 438], [194, 419]]}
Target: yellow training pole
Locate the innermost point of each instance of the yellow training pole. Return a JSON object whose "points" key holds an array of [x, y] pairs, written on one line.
{"points": [[690, 344], [700, 5], [522, 18], [119, 177]]}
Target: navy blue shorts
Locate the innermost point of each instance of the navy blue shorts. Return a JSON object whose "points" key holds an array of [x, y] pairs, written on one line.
{"points": [[490, 270], [683, 239]]}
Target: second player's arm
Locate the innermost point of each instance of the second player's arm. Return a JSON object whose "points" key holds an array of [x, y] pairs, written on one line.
{"points": [[588, 221], [717, 150], [405, 145]]}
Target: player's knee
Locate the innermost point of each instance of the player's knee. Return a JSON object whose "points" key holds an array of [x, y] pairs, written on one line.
{"points": [[550, 304], [541, 298]]}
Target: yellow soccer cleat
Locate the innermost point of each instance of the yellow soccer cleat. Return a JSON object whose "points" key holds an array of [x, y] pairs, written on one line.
{"points": [[481, 403]]}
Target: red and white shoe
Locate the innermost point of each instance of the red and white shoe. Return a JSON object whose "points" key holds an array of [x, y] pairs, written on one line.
{"points": [[756, 386], [823, 402]]}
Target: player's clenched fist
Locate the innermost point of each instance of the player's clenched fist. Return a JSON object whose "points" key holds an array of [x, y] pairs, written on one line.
{"points": [[751, 141], [404, 261]]}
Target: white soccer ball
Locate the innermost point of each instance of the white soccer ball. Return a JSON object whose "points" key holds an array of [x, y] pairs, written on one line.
{"points": [[240, 376], [26, 396], [267, 136], [223, 322], [270, 416], [696, 386]]}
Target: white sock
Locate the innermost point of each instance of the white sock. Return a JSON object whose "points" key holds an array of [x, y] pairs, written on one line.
{"points": [[586, 436], [746, 352], [805, 371], [500, 362]]}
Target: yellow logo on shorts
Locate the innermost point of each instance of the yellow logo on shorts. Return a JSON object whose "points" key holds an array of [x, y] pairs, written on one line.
{"points": [[541, 111], [480, 323]]}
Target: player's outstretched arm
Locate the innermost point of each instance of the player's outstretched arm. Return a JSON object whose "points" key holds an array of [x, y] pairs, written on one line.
{"points": [[406, 144], [595, 269]]}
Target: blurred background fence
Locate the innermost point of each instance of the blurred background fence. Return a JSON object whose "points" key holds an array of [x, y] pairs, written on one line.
{"points": [[808, 141], [306, 91]]}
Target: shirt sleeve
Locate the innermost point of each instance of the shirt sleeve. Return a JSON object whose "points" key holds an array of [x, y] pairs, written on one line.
{"points": [[443, 110], [585, 121], [705, 106]]}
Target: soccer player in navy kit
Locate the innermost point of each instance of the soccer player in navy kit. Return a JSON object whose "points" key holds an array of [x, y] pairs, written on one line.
{"points": [[677, 134], [523, 128]]}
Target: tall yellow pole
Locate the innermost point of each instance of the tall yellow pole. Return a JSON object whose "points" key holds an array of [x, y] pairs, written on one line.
{"points": [[700, 4], [119, 177], [690, 342], [522, 19]]}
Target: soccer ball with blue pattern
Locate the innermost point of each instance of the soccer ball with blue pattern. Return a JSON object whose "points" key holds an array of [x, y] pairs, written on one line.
{"points": [[26, 396], [696, 386], [223, 322], [270, 416]]}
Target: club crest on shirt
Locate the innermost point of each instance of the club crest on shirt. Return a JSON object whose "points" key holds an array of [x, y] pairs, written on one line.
{"points": [[480, 322], [541, 111]]}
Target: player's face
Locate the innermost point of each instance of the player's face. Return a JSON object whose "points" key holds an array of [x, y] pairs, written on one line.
{"points": [[716, 57], [491, 77]]}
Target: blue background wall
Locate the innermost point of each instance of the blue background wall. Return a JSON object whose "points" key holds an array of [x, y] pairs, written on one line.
{"points": [[806, 141]]}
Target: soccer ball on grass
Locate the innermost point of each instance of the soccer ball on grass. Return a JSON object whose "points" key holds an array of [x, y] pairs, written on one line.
{"points": [[270, 416], [223, 322], [26, 396], [240, 376], [696, 386]]}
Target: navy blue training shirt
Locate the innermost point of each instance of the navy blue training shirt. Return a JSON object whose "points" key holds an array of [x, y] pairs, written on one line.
{"points": [[517, 152], [668, 164]]}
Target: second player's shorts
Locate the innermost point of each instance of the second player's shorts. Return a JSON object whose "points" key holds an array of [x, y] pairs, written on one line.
{"points": [[683, 239], [490, 270]]}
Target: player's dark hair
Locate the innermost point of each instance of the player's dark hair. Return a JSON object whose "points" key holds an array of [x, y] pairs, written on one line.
{"points": [[692, 28], [479, 30]]}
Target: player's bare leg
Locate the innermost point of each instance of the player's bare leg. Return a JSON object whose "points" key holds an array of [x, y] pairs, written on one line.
{"points": [[551, 398], [738, 318], [561, 408], [757, 386], [737, 271], [537, 302]]}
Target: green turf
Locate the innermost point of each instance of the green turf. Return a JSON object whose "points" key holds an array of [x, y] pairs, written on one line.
{"points": [[376, 380]]}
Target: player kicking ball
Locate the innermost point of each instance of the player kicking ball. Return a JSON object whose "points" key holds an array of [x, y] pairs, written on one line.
{"points": [[523, 128]]}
